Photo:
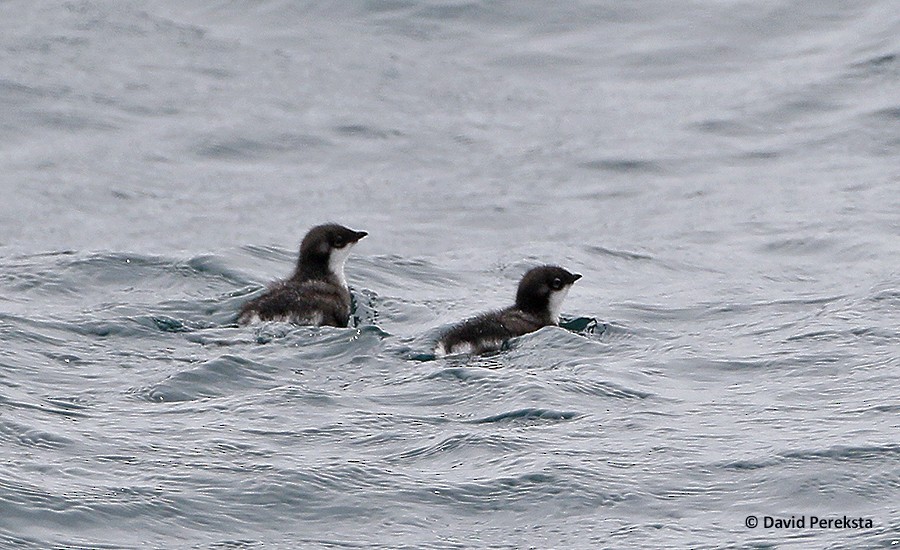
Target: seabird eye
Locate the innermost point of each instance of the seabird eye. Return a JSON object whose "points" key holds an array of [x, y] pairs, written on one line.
{"points": [[556, 284], [339, 242]]}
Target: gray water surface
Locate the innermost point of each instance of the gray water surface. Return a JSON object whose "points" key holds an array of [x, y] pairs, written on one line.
{"points": [[725, 175]]}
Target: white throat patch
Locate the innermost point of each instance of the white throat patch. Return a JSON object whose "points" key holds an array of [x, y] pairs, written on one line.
{"points": [[336, 262], [555, 301]]}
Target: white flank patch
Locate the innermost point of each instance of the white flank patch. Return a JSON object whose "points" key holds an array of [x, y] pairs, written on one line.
{"points": [[467, 348], [336, 262], [440, 350], [555, 302], [253, 319], [314, 319], [462, 347]]}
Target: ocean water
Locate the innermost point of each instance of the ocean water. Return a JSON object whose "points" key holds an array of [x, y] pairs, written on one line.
{"points": [[725, 175]]}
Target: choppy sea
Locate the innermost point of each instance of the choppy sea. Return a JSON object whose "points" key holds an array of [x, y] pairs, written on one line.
{"points": [[725, 175]]}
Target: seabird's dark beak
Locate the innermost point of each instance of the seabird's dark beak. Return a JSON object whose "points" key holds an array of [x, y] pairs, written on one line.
{"points": [[360, 235], [575, 276]]}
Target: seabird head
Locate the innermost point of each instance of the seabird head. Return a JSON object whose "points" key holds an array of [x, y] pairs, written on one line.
{"points": [[543, 289], [324, 250]]}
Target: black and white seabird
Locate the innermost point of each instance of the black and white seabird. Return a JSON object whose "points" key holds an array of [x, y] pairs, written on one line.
{"points": [[317, 293], [538, 304]]}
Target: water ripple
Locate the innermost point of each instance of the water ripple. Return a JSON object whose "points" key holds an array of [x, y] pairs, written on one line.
{"points": [[215, 378], [528, 415]]}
